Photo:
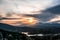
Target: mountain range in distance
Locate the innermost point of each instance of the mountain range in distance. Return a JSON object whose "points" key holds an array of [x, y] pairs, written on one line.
{"points": [[47, 28]]}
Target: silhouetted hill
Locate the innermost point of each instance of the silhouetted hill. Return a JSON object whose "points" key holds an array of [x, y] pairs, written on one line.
{"points": [[43, 28], [48, 25], [7, 27]]}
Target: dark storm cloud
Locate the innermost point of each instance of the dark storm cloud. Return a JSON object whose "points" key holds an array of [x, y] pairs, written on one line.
{"points": [[45, 16], [54, 10], [48, 14]]}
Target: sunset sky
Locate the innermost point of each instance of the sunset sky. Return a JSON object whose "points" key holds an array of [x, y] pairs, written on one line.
{"points": [[29, 7]]}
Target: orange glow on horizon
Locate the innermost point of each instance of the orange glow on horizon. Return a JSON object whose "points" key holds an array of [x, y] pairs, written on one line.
{"points": [[23, 20]]}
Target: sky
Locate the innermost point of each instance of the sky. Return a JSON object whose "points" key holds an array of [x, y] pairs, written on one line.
{"points": [[26, 6], [34, 7]]}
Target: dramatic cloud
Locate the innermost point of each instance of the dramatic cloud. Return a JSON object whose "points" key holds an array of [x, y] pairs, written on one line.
{"points": [[54, 10], [42, 10], [56, 19], [26, 6], [49, 15]]}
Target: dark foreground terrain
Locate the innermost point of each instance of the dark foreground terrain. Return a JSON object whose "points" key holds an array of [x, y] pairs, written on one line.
{"points": [[8, 32], [5, 35]]}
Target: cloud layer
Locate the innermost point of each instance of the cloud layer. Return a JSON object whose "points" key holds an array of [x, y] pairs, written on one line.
{"points": [[43, 10], [26, 6]]}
